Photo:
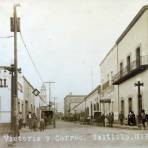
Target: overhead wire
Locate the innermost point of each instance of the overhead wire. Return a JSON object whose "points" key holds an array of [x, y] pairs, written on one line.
{"points": [[32, 61]]}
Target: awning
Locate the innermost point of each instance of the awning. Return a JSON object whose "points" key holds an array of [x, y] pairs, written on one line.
{"points": [[105, 101]]}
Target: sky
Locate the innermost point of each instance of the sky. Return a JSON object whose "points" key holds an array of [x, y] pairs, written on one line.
{"points": [[67, 39]]}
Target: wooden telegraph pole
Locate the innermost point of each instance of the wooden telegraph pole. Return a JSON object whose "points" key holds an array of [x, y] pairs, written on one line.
{"points": [[15, 27]]}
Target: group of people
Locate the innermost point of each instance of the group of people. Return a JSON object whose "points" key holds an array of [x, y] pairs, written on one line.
{"points": [[108, 119], [142, 118], [32, 122], [131, 119]]}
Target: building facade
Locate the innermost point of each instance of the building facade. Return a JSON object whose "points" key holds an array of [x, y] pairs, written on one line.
{"points": [[90, 104], [26, 101], [109, 92], [132, 64], [70, 101], [124, 65]]}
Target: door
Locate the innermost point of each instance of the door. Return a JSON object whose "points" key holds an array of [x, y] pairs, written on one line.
{"points": [[138, 57], [130, 105], [26, 110], [122, 106], [128, 64]]}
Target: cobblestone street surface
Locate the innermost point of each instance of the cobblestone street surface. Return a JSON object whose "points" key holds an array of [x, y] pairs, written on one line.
{"points": [[71, 135]]}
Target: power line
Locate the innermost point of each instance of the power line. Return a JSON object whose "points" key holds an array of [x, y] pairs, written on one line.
{"points": [[35, 67], [5, 37]]}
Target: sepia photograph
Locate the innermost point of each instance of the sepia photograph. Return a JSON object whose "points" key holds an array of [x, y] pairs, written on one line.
{"points": [[74, 73]]}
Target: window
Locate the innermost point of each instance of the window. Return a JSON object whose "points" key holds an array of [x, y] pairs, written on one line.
{"points": [[97, 106], [5, 83], [121, 69], [87, 111], [122, 106], [94, 107], [128, 63], [91, 109], [1, 83], [138, 57]]}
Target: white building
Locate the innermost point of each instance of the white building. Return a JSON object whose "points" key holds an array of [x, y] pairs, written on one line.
{"points": [[90, 104], [124, 65], [109, 92], [127, 63], [70, 101], [132, 63], [26, 101]]}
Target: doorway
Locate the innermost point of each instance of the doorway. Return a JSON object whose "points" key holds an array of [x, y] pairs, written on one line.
{"points": [[130, 105]]}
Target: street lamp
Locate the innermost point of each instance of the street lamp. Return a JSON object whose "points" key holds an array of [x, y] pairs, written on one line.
{"points": [[139, 84]]}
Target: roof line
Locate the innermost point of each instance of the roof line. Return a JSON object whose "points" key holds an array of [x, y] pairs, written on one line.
{"points": [[135, 19], [108, 54]]}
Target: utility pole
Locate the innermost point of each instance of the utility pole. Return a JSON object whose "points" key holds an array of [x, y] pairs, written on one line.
{"points": [[54, 116], [15, 27], [49, 82], [139, 84]]}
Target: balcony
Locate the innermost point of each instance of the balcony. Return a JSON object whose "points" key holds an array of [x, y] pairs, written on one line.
{"points": [[131, 70]]}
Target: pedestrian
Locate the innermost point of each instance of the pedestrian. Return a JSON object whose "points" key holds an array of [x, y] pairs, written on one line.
{"points": [[17, 132], [133, 119], [146, 118], [112, 119], [103, 119], [20, 120], [106, 119], [29, 118], [34, 121], [143, 118], [42, 124], [121, 117], [129, 118]]}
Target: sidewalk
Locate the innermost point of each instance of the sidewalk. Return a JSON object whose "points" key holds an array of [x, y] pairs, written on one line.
{"points": [[4, 128], [116, 125]]}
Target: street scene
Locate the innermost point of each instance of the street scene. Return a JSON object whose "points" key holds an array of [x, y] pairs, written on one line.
{"points": [[73, 74], [74, 135]]}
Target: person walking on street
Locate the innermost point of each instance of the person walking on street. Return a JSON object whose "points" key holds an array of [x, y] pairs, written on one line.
{"points": [[110, 119], [143, 118], [121, 117], [20, 120], [29, 117], [103, 119], [34, 121], [129, 118], [42, 124]]}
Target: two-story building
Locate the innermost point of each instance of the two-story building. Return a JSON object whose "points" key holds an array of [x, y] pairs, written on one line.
{"points": [[126, 64], [109, 93], [70, 101], [132, 64], [90, 104]]}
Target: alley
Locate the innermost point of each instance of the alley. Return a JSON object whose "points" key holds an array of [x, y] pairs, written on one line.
{"points": [[72, 135]]}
